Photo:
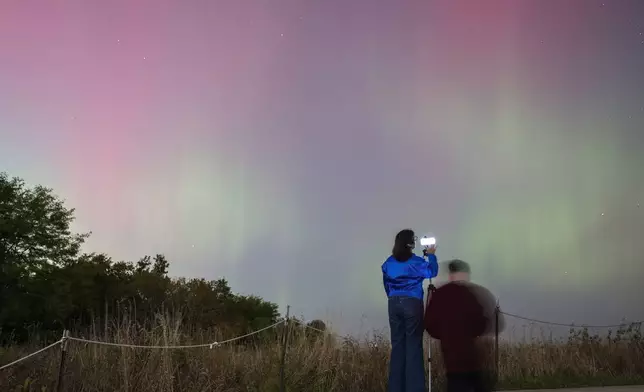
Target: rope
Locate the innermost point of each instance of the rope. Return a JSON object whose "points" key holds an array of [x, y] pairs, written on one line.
{"points": [[215, 344], [252, 333], [531, 320], [210, 345], [571, 325], [30, 355]]}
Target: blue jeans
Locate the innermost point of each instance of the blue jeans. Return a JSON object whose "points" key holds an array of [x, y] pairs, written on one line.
{"points": [[406, 366]]}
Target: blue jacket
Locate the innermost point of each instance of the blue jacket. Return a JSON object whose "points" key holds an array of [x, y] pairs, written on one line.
{"points": [[405, 278]]}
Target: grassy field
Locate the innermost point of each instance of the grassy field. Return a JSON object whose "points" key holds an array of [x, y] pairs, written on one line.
{"points": [[313, 362]]}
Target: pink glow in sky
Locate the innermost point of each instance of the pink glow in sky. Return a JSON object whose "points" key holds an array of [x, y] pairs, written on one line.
{"points": [[282, 143]]}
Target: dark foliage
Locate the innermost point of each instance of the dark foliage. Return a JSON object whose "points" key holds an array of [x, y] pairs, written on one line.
{"points": [[47, 284]]}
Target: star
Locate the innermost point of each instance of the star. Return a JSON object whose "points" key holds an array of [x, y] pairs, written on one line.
{"points": [[143, 58], [281, 35]]}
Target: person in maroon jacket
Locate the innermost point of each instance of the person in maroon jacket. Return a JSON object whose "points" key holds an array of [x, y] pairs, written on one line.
{"points": [[458, 314]]}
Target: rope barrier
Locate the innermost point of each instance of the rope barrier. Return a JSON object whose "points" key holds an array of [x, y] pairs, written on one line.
{"points": [[570, 325], [522, 318], [215, 344], [30, 355], [210, 345], [626, 323]]}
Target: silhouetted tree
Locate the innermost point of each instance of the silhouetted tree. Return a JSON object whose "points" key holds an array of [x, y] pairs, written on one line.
{"points": [[35, 239], [47, 284], [160, 265]]}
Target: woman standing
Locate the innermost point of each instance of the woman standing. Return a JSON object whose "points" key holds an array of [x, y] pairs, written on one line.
{"points": [[403, 274]]}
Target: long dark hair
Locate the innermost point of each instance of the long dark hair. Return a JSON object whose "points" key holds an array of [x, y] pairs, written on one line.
{"points": [[403, 245]]}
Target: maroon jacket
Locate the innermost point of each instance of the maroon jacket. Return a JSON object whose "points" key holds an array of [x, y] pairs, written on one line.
{"points": [[458, 314]]}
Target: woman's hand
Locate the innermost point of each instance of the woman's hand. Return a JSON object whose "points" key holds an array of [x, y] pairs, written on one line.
{"points": [[430, 250]]}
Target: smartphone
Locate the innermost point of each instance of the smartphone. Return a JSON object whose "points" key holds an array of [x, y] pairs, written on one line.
{"points": [[428, 241]]}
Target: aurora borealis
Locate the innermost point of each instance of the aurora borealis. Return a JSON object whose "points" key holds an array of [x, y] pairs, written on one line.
{"points": [[283, 143]]}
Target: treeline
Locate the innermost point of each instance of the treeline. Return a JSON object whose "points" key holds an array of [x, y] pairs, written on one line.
{"points": [[47, 284]]}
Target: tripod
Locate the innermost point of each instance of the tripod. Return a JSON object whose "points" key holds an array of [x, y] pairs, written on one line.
{"points": [[430, 290]]}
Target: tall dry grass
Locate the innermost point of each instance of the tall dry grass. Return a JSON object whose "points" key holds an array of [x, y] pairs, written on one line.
{"points": [[314, 363]]}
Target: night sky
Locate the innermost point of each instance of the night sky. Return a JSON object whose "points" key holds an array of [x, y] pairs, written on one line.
{"points": [[283, 143]]}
